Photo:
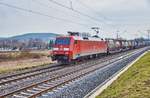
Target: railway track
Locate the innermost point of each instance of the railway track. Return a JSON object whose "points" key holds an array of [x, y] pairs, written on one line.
{"points": [[26, 71], [36, 83], [8, 80]]}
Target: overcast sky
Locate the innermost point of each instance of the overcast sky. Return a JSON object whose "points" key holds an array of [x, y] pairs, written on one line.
{"points": [[131, 18]]}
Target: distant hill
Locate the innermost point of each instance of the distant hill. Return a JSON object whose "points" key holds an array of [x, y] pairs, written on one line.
{"points": [[41, 36], [1, 38]]}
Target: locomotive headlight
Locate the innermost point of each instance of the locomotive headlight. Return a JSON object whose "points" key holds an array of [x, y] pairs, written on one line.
{"points": [[66, 49], [66, 52], [55, 49]]}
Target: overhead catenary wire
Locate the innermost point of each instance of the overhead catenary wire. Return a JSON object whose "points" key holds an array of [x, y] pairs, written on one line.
{"points": [[63, 12], [41, 14], [93, 11], [104, 17], [74, 10]]}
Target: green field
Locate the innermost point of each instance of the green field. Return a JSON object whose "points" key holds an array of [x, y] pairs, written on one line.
{"points": [[134, 83]]}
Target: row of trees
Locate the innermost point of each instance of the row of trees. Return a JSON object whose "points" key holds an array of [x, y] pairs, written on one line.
{"points": [[25, 44]]}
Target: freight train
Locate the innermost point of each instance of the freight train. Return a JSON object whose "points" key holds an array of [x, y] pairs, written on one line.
{"points": [[78, 46]]}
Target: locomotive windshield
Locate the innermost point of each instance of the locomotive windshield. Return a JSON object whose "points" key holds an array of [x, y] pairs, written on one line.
{"points": [[62, 41]]}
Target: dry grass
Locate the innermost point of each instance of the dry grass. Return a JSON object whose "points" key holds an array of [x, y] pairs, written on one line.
{"points": [[23, 60], [134, 83], [10, 56]]}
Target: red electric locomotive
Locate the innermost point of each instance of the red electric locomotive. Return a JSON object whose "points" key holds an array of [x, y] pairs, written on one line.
{"points": [[76, 46]]}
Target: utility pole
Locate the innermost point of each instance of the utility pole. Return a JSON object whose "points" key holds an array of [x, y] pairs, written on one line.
{"points": [[117, 35], [148, 31], [71, 4]]}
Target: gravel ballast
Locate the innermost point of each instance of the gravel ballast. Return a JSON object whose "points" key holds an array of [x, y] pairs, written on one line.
{"points": [[81, 87]]}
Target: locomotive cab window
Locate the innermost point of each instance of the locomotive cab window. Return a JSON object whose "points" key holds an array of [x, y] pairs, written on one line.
{"points": [[62, 41]]}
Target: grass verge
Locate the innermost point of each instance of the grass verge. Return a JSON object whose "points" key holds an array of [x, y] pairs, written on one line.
{"points": [[16, 61], [19, 55], [20, 67], [134, 83]]}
